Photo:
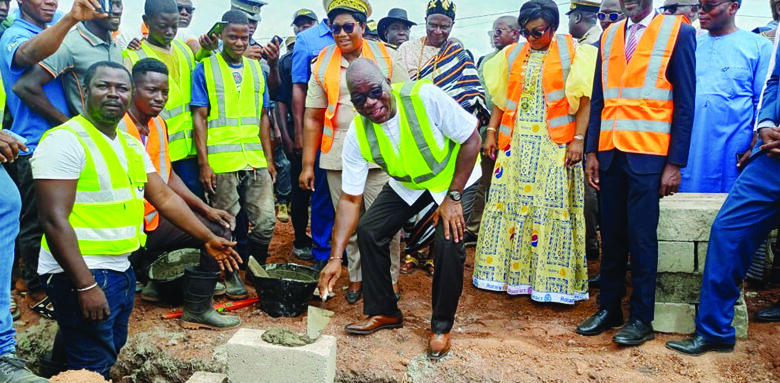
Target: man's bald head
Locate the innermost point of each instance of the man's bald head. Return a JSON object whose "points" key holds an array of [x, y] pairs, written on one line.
{"points": [[370, 91], [363, 70], [506, 31], [509, 21]]}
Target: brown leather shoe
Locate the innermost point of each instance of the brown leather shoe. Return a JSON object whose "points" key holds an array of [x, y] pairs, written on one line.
{"points": [[375, 323], [438, 346]]}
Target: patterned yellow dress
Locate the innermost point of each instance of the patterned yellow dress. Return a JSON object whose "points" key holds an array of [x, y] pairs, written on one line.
{"points": [[532, 239]]}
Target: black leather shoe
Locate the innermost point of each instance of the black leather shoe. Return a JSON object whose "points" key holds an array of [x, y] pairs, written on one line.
{"points": [[697, 345], [599, 322], [769, 314], [634, 333], [595, 282]]}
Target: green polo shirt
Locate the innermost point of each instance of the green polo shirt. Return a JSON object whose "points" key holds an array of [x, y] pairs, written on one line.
{"points": [[80, 49]]}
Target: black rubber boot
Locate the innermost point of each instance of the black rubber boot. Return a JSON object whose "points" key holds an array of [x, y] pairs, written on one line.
{"points": [[259, 251], [198, 311], [235, 286]]}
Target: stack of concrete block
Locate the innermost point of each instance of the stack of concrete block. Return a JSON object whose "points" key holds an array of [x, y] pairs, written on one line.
{"points": [[251, 359], [683, 231]]}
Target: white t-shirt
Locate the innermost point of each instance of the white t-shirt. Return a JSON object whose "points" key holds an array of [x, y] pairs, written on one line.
{"points": [[61, 157], [447, 120]]}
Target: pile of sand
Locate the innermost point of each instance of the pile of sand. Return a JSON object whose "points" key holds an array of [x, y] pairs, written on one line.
{"points": [[81, 376]]}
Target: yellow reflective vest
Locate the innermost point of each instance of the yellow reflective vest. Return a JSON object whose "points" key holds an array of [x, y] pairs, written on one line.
{"points": [[420, 163], [108, 213], [177, 110], [233, 139]]}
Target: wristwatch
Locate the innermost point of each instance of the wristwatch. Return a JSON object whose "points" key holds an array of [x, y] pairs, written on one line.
{"points": [[454, 195], [579, 138]]}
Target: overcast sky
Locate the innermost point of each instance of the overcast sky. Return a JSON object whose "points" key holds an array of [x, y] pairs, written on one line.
{"points": [[473, 19]]}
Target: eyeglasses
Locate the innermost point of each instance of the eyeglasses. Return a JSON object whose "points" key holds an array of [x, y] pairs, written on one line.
{"points": [[499, 31], [189, 10], [536, 33], [359, 99], [708, 7], [672, 8], [612, 16], [347, 27]]}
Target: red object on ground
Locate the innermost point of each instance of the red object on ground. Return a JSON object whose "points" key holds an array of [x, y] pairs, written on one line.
{"points": [[228, 306]]}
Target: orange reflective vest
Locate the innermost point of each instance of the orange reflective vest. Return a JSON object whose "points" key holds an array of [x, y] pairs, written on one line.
{"points": [[157, 148], [327, 73], [561, 125], [638, 102]]}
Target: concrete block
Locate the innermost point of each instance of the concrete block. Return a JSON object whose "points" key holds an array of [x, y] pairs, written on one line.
{"points": [[676, 257], [688, 216], [674, 317], [740, 321], [207, 377], [701, 255], [677, 288], [251, 359]]}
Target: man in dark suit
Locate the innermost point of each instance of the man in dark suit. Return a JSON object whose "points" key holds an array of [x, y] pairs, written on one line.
{"points": [[751, 210], [638, 138]]}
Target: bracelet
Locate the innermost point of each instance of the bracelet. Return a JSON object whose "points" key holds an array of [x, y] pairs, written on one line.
{"points": [[579, 138], [334, 258], [90, 287], [491, 129]]}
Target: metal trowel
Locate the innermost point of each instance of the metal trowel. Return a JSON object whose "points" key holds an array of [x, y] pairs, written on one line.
{"points": [[256, 269], [317, 319]]}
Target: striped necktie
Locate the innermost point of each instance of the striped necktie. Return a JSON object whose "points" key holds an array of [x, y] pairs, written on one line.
{"points": [[633, 40]]}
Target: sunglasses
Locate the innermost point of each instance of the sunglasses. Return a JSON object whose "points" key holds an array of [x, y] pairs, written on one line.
{"points": [[536, 33], [186, 8], [612, 16], [672, 8], [708, 7], [359, 99], [347, 27]]}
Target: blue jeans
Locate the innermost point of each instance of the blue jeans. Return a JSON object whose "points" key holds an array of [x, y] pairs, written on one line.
{"points": [[189, 172], [322, 214], [10, 207], [93, 346], [750, 212], [283, 185]]}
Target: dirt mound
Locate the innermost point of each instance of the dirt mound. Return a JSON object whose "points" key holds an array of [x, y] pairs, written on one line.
{"points": [[81, 376]]}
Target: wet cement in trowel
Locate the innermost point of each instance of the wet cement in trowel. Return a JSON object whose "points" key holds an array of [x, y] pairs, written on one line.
{"points": [[283, 336]]}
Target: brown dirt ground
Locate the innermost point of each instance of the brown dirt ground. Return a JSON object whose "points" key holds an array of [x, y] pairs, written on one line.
{"points": [[497, 338]]}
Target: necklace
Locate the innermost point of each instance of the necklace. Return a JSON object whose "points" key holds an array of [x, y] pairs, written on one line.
{"points": [[419, 60], [141, 127]]}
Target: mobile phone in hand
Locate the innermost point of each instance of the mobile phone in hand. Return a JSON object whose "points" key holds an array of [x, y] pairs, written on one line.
{"points": [[217, 29], [105, 6], [277, 40]]}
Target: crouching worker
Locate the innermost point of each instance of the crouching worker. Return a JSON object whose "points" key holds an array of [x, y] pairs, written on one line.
{"points": [[143, 121], [428, 145], [91, 180]]}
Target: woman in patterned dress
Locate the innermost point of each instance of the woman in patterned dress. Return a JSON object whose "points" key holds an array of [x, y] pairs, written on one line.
{"points": [[532, 239]]}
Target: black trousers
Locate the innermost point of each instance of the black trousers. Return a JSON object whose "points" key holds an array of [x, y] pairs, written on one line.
{"points": [[30, 232], [299, 205], [376, 229], [168, 237], [629, 223]]}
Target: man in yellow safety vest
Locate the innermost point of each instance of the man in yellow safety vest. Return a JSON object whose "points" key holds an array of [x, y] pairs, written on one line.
{"points": [[428, 145], [91, 182], [232, 133]]}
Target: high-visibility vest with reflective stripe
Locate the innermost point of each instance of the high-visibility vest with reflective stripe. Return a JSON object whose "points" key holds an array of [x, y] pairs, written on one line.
{"points": [[420, 163], [327, 72], [177, 110], [638, 102], [561, 125], [108, 213], [157, 148], [233, 139]]}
